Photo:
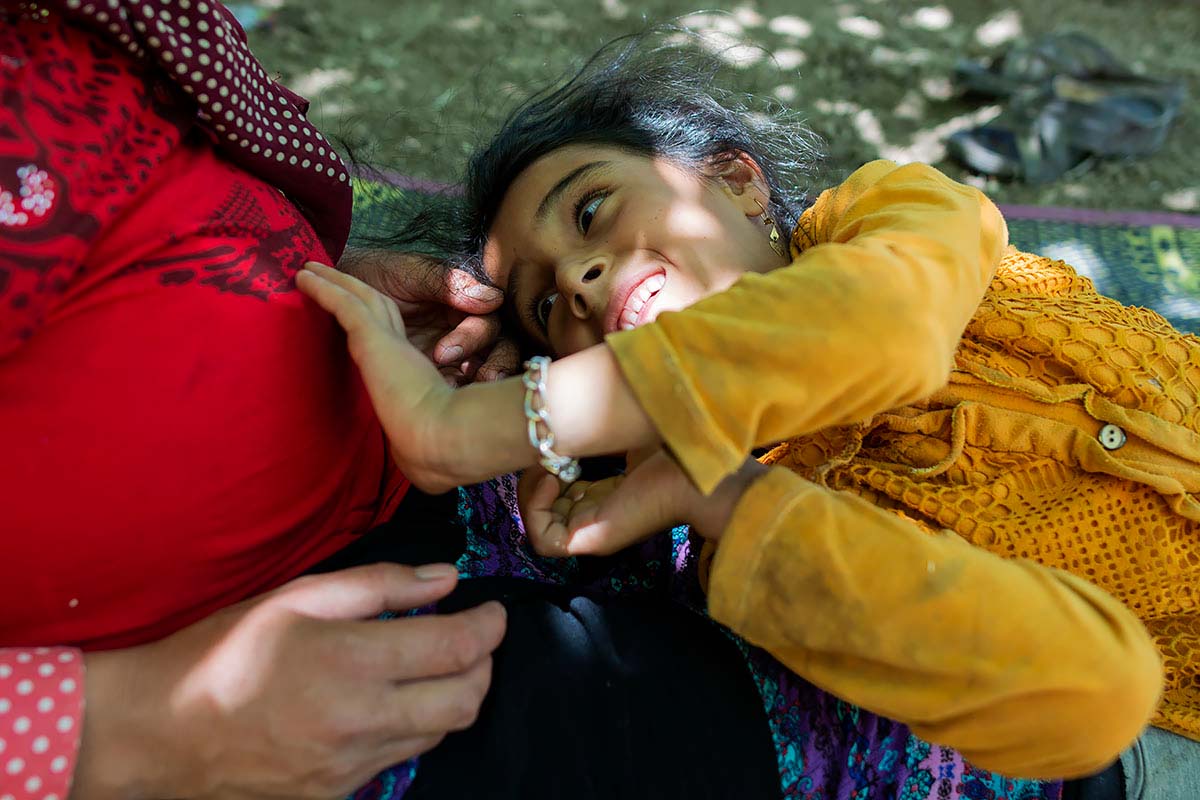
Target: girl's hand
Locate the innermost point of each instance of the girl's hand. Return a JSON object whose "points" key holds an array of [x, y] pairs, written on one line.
{"points": [[409, 394], [602, 517], [449, 315]]}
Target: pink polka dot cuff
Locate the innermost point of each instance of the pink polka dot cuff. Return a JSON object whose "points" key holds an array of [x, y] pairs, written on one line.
{"points": [[41, 708]]}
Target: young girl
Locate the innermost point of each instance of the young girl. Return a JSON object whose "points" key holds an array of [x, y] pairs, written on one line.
{"points": [[978, 451]]}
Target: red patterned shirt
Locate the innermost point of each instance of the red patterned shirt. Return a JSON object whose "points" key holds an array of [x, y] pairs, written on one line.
{"points": [[182, 428]]}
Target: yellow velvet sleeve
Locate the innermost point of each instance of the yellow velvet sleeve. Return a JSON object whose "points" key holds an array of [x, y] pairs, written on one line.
{"points": [[1028, 671], [890, 266]]}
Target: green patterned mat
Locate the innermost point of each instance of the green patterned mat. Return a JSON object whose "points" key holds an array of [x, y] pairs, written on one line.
{"points": [[1150, 260], [1156, 266]]}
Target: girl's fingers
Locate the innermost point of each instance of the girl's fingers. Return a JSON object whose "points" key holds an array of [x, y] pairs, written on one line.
{"points": [[623, 512], [349, 310], [545, 528], [338, 278], [582, 515], [561, 508], [380, 307]]}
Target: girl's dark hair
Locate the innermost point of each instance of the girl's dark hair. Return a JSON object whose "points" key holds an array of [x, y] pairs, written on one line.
{"points": [[653, 93]]}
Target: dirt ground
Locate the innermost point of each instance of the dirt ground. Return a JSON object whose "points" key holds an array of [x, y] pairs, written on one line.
{"points": [[412, 86]]}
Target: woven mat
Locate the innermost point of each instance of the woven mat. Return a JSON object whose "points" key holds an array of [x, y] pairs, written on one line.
{"points": [[1143, 259], [1152, 264]]}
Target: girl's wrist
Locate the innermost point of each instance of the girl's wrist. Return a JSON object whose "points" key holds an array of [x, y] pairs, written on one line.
{"points": [[712, 515], [481, 434]]}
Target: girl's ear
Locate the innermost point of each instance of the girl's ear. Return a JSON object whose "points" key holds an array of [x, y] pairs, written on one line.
{"points": [[742, 179]]}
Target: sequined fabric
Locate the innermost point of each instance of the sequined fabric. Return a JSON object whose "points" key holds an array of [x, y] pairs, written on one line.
{"points": [[253, 121]]}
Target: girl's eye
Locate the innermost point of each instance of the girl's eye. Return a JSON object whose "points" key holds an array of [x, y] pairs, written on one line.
{"points": [[585, 212], [543, 308]]}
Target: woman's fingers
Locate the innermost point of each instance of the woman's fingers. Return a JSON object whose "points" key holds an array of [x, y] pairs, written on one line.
{"points": [[424, 646], [459, 289], [393, 752], [503, 360], [469, 350], [362, 592], [468, 338], [436, 706]]}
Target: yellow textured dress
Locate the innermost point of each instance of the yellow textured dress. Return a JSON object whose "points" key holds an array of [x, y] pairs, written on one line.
{"points": [[1011, 454], [925, 380]]}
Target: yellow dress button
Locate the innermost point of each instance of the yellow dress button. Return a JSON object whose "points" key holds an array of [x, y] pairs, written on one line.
{"points": [[1111, 437]]}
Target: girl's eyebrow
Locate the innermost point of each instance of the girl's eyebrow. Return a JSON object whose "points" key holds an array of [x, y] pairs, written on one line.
{"points": [[560, 188]]}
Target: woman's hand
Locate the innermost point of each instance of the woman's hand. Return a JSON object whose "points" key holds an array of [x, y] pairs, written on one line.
{"points": [[602, 517], [449, 315], [299, 694]]}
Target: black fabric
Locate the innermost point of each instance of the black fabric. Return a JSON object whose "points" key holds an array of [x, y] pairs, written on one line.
{"points": [[1106, 785], [424, 530], [592, 697], [598, 698]]}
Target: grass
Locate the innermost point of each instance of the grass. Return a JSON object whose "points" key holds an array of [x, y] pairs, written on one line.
{"points": [[414, 86]]}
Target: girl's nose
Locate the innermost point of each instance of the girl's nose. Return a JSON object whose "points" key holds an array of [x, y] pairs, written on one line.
{"points": [[583, 288]]}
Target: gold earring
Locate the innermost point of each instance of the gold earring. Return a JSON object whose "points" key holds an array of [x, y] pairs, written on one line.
{"points": [[776, 239]]}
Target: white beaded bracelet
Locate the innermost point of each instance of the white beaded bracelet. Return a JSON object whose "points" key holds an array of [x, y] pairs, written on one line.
{"points": [[564, 468]]}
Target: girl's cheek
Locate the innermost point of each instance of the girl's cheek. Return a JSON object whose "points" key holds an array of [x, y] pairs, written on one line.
{"points": [[574, 341]]}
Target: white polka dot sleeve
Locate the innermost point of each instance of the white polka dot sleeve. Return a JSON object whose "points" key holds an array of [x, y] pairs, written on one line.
{"points": [[41, 708]]}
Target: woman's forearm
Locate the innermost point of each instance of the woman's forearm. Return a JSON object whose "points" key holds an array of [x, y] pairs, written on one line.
{"points": [[120, 754]]}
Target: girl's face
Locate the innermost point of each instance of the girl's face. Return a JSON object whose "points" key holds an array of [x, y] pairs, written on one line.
{"points": [[590, 240]]}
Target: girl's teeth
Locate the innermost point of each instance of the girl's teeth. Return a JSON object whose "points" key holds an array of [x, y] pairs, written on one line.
{"points": [[638, 300]]}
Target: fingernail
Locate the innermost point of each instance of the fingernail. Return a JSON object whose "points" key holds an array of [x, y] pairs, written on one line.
{"points": [[450, 354], [480, 292], [316, 265], [435, 572]]}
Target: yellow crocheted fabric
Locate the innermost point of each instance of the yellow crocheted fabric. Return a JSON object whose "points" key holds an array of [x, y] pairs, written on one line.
{"points": [[1016, 454]]}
